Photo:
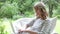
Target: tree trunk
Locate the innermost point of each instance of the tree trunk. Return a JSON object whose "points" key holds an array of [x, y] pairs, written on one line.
{"points": [[50, 10]]}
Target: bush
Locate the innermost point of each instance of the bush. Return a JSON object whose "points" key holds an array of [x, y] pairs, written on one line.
{"points": [[1, 4], [8, 10], [29, 14], [15, 17], [25, 5], [58, 16], [57, 12]]}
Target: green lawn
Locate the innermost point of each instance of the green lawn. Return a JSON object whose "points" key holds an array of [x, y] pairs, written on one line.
{"points": [[57, 28]]}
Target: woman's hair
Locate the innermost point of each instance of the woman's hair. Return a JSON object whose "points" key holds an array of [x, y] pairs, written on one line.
{"points": [[41, 6]]}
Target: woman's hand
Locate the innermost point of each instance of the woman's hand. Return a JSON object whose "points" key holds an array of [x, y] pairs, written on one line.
{"points": [[20, 31]]}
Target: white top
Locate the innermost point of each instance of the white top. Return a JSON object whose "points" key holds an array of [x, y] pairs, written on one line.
{"points": [[40, 26]]}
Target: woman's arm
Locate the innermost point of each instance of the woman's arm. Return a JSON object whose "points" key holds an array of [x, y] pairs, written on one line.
{"points": [[29, 31]]}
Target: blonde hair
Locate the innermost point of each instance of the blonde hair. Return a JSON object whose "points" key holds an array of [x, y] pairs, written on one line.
{"points": [[41, 6]]}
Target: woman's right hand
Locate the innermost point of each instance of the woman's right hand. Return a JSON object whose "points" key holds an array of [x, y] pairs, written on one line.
{"points": [[20, 31]]}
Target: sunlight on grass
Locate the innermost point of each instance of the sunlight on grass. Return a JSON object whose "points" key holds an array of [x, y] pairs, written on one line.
{"points": [[6, 23], [57, 28]]}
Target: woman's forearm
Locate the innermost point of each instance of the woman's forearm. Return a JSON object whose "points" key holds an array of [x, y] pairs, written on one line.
{"points": [[31, 32]]}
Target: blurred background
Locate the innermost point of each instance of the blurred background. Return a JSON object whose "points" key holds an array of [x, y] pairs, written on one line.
{"points": [[11, 10]]}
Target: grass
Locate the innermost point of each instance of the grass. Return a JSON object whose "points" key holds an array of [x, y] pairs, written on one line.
{"points": [[57, 28], [8, 26]]}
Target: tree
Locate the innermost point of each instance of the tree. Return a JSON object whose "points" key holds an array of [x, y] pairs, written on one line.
{"points": [[52, 4]]}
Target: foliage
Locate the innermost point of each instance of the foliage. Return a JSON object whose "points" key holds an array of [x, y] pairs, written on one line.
{"points": [[13, 7], [8, 10], [25, 5], [57, 12], [1, 4], [2, 0]]}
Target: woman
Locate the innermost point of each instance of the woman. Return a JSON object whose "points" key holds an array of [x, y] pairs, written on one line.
{"points": [[39, 25]]}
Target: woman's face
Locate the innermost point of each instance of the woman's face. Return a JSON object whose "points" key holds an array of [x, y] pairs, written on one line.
{"points": [[38, 12]]}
